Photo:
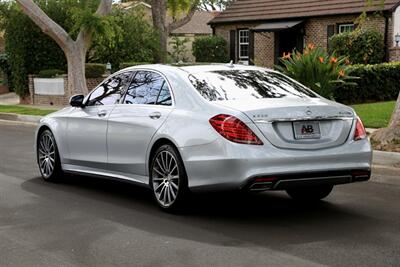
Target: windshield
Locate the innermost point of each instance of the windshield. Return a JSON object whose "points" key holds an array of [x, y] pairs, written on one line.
{"points": [[246, 84]]}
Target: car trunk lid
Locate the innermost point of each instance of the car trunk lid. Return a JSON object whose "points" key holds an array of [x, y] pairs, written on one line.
{"points": [[298, 123]]}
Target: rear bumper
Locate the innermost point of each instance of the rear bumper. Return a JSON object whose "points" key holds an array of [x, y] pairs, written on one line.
{"points": [[223, 165], [283, 182]]}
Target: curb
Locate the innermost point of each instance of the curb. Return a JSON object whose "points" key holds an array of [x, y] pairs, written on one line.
{"points": [[25, 123], [385, 175], [20, 117], [383, 158]]}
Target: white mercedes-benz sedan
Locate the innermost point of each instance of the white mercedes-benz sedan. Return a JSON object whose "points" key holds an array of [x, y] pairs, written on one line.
{"points": [[202, 128]]}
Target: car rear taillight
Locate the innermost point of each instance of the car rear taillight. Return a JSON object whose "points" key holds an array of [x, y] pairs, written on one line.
{"points": [[360, 132], [234, 130]]}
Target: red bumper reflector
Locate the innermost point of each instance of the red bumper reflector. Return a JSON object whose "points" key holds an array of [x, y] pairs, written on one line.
{"points": [[360, 173], [265, 179]]}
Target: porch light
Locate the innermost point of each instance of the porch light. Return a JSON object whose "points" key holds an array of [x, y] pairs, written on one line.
{"points": [[397, 39]]}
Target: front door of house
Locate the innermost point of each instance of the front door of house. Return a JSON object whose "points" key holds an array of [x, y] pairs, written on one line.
{"points": [[288, 40]]}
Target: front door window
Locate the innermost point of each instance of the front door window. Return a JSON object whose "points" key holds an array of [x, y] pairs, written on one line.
{"points": [[110, 91], [287, 41]]}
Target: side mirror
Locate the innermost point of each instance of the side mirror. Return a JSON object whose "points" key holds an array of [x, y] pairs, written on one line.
{"points": [[76, 101]]}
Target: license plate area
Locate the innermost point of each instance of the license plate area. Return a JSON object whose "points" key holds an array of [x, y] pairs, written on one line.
{"points": [[306, 130]]}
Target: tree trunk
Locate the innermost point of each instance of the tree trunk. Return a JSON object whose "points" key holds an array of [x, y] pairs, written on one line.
{"points": [[75, 51], [76, 71], [395, 120], [159, 14], [389, 138], [162, 57]]}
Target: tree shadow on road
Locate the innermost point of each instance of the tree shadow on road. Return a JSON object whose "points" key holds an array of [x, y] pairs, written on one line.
{"points": [[228, 219]]}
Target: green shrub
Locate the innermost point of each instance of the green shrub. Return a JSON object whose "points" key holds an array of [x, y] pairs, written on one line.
{"points": [[179, 49], [361, 46], [5, 69], [378, 82], [51, 73], [210, 49], [133, 39], [131, 64], [124, 36], [94, 70], [316, 69], [29, 50]]}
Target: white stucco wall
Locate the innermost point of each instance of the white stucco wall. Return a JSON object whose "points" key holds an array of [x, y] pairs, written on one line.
{"points": [[53, 86]]}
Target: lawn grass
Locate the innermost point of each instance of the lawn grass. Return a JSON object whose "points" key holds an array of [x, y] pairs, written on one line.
{"points": [[375, 115], [25, 110]]}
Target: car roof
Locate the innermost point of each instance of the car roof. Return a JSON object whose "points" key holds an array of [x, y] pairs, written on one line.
{"points": [[191, 69], [217, 67]]}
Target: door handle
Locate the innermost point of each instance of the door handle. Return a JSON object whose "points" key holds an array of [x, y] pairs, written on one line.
{"points": [[155, 115], [102, 113]]}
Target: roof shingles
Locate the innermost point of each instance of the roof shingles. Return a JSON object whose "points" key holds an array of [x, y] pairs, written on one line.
{"points": [[250, 10], [198, 24]]}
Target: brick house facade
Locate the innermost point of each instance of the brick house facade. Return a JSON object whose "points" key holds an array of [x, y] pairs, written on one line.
{"points": [[260, 34]]}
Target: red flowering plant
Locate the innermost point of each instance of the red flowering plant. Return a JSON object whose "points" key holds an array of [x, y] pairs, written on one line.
{"points": [[316, 69]]}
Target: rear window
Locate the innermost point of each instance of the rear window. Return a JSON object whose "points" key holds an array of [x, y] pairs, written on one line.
{"points": [[246, 84]]}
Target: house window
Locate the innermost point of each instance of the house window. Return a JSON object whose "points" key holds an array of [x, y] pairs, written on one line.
{"points": [[243, 44], [345, 28]]}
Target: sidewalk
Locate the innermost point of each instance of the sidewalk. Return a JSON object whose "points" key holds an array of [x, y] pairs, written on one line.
{"points": [[13, 99], [9, 99]]}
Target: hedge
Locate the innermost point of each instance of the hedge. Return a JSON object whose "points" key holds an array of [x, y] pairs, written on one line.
{"points": [[380, 82], [29, 50], [5, 69], [94, 70], [51, 73], [131, 64], [210, 49], [363, 46]]}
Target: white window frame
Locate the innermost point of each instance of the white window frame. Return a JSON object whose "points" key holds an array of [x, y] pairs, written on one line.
{"points": [[240, 44], [346, 27]]}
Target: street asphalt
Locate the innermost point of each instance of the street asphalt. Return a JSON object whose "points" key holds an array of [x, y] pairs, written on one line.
{"points": [[92, 222]]}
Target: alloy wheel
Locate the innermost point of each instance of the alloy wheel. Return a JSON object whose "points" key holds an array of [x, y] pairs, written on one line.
{"points": [[47, 155], [165, 178]]}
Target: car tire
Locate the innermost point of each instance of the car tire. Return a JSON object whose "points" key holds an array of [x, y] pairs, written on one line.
{"points": [[168, 179], [48, 157], [312, 193]]}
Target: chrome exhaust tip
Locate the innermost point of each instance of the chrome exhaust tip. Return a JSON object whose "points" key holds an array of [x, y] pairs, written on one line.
{"points": [[260, 186]]}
